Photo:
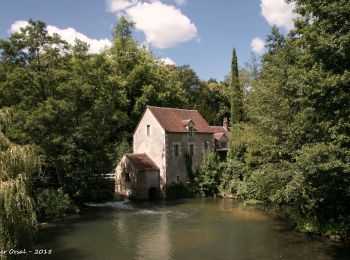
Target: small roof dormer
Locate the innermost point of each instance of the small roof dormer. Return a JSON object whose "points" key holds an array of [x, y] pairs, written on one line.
{"points": [[189, 124]]}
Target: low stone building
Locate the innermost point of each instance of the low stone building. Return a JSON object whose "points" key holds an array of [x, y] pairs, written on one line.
{"points": [[137, 177], [164, 137]]}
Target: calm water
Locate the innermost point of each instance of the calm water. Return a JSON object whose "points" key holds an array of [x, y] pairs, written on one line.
{"points": [[190, 229]]}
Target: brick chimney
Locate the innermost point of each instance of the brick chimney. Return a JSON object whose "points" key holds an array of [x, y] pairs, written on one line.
{"points": [[225, 124]]}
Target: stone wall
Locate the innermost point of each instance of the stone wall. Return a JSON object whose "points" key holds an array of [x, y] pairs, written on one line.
{"points": [[154, 144], [145, 181], [122, 187], [138, 183], [176, 166]]}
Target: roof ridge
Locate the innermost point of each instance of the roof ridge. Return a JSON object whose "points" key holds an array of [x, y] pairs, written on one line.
{"points": [[172, 119], [171, 108]]}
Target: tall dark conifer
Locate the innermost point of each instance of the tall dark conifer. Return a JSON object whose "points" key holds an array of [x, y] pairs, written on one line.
{"points": [[236, 92]]}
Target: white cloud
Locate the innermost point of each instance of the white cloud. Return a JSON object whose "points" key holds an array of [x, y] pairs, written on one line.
{"points": [[119, 5], [168, 61], [257, 46], [69, 34], [278, 12], [16, 26], [181, 2], [163, 25]]}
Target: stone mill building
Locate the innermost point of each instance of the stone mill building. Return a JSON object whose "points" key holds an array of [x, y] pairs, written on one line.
{"points": [[161, 139]]}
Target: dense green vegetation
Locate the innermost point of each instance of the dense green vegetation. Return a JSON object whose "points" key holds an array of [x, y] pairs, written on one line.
{"points": [[18, 167], [292, 147], [75, 112]]}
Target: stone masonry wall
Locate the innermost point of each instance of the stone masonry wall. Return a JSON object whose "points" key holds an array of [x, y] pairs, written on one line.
{"points": [[153, 145], [176, 166]]}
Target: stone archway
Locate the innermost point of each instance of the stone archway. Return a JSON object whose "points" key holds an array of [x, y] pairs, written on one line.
{"points": [[153, 193]]}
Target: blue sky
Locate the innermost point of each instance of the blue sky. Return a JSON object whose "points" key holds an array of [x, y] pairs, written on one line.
{"points": [[200, 33]]}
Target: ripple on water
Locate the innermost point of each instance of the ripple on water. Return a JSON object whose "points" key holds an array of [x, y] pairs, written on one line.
{"points": [[111, 204], [127, 205]]}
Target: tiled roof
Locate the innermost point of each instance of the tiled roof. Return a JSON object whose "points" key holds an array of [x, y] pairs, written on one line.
{"points": [[174, 119], [218, 136], [218, 129], [142, 162]]}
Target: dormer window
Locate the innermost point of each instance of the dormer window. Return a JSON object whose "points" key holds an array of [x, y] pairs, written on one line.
{"points": [[189, 125], [148, 130], [190, 131]]}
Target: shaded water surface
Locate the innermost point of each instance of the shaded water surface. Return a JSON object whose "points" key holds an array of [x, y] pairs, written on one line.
{"points": [[189, 229]]}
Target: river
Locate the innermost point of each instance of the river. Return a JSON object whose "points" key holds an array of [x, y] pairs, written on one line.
{"points": [[188, 229]]}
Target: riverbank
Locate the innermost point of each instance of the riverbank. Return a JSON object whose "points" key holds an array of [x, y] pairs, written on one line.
{"points": [[307, 226]]}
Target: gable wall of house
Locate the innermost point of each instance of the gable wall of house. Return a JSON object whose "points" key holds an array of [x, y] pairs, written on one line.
{"points": [[123, 186], [132, 183], [176, 165], [153, 145]]}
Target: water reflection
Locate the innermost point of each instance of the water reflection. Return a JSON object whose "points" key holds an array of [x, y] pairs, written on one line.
{"points": [[153, 241], [191, 229]]}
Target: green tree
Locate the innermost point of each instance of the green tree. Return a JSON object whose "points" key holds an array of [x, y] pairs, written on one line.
{"points": [[190, 83], [213, 102], [18, 164], [325, 33], [275, 40], [236, 92], [237, 109], [66, 103]]}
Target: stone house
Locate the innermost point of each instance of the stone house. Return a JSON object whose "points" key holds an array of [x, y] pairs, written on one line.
{"points": [[138, 177], [161, 140], [222, 136]]}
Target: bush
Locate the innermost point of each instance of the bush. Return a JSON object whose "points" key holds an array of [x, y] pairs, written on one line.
{"points": [[53, 204], [313, 190], [232, 173], [268, 183], [208, 175], [320, 187], [177, 190]]}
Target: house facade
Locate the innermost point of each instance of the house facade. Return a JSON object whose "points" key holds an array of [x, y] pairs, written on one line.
{"points": [[222, 136], [163, 137]]}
